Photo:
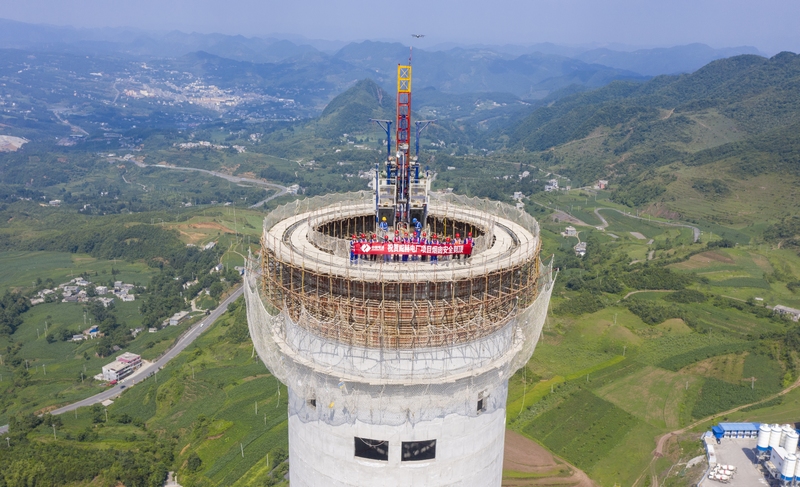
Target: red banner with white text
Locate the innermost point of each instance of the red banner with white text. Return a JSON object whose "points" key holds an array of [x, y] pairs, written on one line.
{"points": [[391, 248]]}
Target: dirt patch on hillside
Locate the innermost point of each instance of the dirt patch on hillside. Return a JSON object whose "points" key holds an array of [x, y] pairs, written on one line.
{"points": [[45, 410], [761, 262], [254, 377], [211, 226], [563, 217], [728, 367], [195, 233], [661, 211], [674, 325], [524, 456], [9, 143], [704, 260]]}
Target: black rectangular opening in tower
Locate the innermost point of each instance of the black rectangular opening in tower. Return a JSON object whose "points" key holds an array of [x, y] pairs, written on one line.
{"points": [[372, 449], [414, 451]]}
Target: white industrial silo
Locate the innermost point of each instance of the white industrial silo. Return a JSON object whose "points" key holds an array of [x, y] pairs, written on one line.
{"points": [[763, 437], [785, 430], [790, 444], [797, 471], [775, 436], [789, 465]]}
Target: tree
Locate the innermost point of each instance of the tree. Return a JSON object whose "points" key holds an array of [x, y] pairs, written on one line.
{"points": [[194, 462], [216, 290]]}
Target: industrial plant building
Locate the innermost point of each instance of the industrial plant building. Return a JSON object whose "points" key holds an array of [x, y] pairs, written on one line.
{"points": [[746, 454]]}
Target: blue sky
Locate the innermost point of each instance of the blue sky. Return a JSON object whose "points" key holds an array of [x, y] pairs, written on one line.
{"points": [[770, 25]]}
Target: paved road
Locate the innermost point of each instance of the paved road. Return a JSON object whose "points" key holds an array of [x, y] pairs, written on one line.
{"points": [[183, 342], [282, 190], [695, 230]]}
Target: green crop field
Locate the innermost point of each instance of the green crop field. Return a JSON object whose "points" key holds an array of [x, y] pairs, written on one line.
{"points": [[752, 282], [584, 429], [24, 268], [622, 464], [755, 199], [55, 368], [621, 224], [731, 351], [783, 410], [656, 396], [204, 402]]}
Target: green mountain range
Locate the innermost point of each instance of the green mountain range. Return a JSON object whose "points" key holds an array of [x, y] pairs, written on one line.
{"points": [[725, 135]]}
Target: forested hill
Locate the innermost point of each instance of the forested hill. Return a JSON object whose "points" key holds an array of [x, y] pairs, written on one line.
{"points": [[756, 93], [734, 119], [350, 111]]}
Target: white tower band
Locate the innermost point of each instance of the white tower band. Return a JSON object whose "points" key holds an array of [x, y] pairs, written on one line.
{"points": [[397, 370]]}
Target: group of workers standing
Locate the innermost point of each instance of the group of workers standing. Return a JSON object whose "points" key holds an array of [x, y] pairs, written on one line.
{"points": [[416, 237]]}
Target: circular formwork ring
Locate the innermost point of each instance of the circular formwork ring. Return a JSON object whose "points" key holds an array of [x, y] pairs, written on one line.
{"points": [[399, 304]]}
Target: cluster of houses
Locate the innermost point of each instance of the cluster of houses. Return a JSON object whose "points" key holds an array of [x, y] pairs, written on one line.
{"points": [[77, 291]]}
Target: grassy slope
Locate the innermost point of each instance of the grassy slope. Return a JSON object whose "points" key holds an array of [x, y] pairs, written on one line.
{"points": [[656, 400], [65, 361], [203, 401], [729, 121]]}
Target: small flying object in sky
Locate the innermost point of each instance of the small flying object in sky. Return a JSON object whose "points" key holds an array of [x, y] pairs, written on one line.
{"points": [[417, 35]]}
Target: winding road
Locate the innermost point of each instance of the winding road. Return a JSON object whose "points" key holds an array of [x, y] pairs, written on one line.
{"points": [[197, 329], [282, 190], [184, 341], [695, 230]]}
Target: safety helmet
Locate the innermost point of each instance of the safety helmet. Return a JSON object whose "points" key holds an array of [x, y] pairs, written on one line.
{"points": [[458, 235], [414, 220], [383, 219]]}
